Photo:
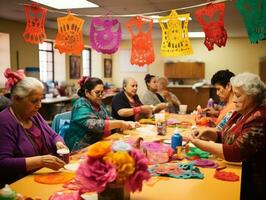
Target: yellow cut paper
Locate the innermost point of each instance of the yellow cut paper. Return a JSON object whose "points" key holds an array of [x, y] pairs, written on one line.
{"points": [[175, 41]]}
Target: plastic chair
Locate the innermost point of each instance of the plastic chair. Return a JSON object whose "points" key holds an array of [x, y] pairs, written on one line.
{"points": [[60, 120]]}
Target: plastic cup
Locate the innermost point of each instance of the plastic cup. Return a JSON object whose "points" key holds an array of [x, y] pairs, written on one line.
{"points": [[182, 109], [64, 155]]}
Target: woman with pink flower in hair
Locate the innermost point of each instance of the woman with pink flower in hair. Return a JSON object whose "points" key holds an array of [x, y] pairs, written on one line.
{"points": [[90, 120], [27, 143]]}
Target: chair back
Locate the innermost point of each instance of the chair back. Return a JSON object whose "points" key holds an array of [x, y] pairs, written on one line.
{"points": [[60, 119]]}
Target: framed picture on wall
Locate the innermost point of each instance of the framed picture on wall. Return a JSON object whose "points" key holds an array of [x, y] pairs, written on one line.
{"points": [[107, 63], [75, 67]]}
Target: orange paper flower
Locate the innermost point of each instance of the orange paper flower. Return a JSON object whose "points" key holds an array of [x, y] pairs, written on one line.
{"points": [[99, 149]]}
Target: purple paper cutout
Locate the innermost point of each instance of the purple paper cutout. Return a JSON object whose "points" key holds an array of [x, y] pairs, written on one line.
{"points": [[102, 38], [205, 163]]}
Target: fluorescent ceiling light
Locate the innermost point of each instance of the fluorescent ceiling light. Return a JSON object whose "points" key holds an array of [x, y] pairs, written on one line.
{"points": [[196, 34], [155, 18], [67, 4]]}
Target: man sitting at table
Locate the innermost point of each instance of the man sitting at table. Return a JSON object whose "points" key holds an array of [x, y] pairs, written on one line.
{"points": [[126, 105], [27, 142]]}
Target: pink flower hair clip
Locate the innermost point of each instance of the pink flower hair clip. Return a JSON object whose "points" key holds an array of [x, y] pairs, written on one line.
{"points": [[83, 80], [13, 77]]}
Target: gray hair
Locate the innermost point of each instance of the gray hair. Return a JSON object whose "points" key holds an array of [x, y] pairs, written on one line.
{"points": [[250, 84], [125, 81], [24, 87]]}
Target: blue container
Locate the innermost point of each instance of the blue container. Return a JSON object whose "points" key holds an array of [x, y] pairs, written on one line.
{"points": [[176, 141]]}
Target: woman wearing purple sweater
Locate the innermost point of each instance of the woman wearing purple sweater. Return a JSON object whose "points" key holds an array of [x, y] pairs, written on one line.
{"points": [[27, 143]]}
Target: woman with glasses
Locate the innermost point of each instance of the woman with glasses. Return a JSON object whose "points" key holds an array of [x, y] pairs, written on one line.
{"points": [[90, 120]]}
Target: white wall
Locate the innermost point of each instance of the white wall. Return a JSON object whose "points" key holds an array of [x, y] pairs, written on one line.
{"points": [[4, 56]]}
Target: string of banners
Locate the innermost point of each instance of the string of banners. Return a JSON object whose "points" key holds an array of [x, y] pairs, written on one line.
{"points": [[106, 33]]}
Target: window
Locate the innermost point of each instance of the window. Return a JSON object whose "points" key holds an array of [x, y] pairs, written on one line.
{"points": [[46, 61], [86, 62]]}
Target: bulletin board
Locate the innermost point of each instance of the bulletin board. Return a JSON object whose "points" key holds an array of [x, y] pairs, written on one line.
{"points": [[126, 66]]}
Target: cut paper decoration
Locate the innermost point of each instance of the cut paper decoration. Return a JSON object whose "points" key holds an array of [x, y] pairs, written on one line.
{"points": [[205, 163], [194, 151], [180, 171], [211, 18], [175, 41], [69, 37], [226, 176], [142, 51], [105, 35], [254, 15], [35, 16], [54, 178]]}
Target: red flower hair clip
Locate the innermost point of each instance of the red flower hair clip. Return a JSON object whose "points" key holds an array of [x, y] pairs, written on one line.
{"points": [[83, 80], [13, 77]]}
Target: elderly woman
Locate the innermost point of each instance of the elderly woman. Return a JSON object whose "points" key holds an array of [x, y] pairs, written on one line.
{"points": [[244, 136], [167, 95], [126, 104], [90, 120], [27, 143], [151, 97]]}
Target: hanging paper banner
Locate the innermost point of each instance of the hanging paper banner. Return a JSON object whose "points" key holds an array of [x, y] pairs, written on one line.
{"points": [[254, 15], [175, 41], [69, 37], [35, 17], [105, 35], [142, 51], [211, 18]]}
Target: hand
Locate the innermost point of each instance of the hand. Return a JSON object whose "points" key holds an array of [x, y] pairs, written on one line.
{"points": [[211, 111], [195, 132], [127, 125], [159, 107], [147, 109], [52, 162], [60, 145], [207, 134]]}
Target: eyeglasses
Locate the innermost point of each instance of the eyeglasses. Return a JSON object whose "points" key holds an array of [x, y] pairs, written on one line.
{"points": [[98, 93]]}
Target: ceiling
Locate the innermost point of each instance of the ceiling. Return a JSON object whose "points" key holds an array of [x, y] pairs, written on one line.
{"points": [[13, 10]]}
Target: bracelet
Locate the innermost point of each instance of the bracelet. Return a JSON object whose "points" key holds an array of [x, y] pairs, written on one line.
{"points": [[137, 110]]}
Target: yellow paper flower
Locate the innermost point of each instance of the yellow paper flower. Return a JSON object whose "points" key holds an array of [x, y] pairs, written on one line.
{"points": [[123, 162], [99, 149]]}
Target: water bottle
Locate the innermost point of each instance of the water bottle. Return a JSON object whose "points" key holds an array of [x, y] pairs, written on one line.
{"points": [[176, 140], [210, 103]]}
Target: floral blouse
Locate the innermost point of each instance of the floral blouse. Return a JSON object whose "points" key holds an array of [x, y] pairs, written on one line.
{"points": [[244, 139]]}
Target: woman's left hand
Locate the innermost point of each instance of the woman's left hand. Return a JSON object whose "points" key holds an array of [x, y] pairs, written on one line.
{"points": [[61, 145]]}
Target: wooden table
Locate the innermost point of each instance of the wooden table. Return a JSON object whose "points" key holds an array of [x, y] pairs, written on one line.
{"points": [[158, 187]]}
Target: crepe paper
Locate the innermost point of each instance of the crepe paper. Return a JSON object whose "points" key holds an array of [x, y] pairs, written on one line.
{"points": [[175, 41], [205, 163], [13, 77], [69, 37], [226, 176], [142, 51], [213, 28], [35, 16], [147, 121], [194, 151], [105, 35], [254, 15], [180, 171], [65, 195], [54, 177]]}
